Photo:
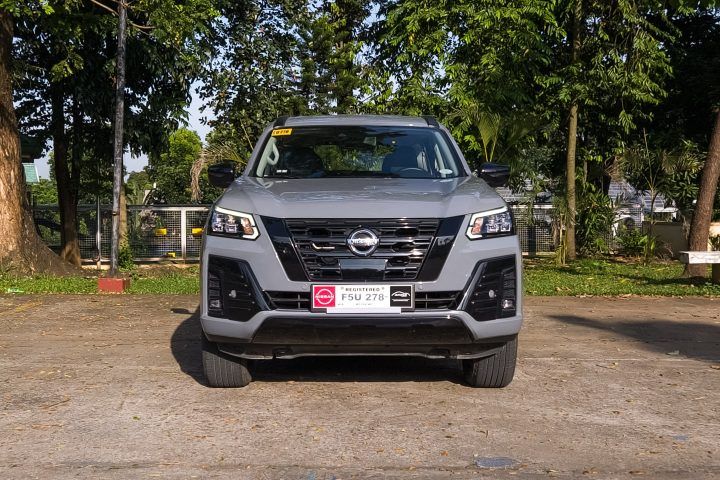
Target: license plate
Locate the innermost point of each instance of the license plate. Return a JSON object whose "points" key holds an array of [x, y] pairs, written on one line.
{"points": [[363, 298]]}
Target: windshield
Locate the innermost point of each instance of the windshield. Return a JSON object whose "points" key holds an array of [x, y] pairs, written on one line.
{"points": [[352, 151]]}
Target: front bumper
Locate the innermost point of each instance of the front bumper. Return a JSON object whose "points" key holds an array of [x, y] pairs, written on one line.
{"points": [[290, 335], [272, 332]]}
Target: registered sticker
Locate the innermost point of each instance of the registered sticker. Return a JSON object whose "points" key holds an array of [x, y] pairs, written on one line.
{"points": [[279, 132], [362, 298]]}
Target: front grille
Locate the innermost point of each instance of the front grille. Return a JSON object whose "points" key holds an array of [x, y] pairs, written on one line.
{"points": [[322, 248], [289, 300], [496, 284], [423, 300], [437, 300]]}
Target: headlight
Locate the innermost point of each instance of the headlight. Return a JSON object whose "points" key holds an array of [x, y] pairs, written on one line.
{"points": [[232, 224], [493, 223]]}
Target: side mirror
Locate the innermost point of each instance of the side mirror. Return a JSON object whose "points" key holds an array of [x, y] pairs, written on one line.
{"points": [[494, 174], [222, 174]]}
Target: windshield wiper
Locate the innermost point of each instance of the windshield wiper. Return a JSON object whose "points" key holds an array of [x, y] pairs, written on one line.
{"points": [[360, 174]]}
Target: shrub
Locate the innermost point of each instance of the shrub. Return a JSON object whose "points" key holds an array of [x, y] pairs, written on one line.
{"points": [[126, 257], [632, 242], [594, 220]]}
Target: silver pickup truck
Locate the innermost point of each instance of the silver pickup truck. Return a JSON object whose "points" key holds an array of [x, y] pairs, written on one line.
{"points": [[360, 235]]}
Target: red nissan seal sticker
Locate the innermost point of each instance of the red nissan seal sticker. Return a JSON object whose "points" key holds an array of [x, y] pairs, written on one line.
{"points": [[323, 296]]}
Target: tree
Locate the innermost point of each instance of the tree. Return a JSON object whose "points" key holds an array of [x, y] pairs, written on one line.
{"points": [[328, 47], [171, 171], [609, 67], [686, 114], [22, 249], [586, 68], [700, 226], [274, 58], [66, 93], [691, 109]]}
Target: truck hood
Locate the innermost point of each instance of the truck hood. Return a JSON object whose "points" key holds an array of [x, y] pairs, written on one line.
{"points": [[360, 197]]}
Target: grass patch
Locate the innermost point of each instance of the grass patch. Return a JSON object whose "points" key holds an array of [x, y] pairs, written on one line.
{"points": [[614, 276], [47, 284], [181, 282], [153, 280], [608, 277]]}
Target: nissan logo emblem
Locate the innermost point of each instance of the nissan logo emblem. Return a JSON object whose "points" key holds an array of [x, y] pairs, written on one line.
{"points": [[363, 242]]}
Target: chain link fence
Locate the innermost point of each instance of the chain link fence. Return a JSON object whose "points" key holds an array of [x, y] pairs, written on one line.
{"points": [[154, 233], [160, 232], [534, 227]]}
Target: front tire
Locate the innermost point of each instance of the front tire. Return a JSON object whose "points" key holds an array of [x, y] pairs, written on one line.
{"points": [[222, 370], [495, 371]]}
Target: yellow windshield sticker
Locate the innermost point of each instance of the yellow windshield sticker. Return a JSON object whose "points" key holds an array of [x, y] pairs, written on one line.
{"points": [[281, 131]]}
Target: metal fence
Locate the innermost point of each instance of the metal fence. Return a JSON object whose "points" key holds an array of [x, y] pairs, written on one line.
{"points": [[158, 232], [154, 233], [534, 227]]}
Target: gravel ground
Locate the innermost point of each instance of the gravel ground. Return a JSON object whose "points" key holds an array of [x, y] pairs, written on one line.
{"points": [[111, 387]]}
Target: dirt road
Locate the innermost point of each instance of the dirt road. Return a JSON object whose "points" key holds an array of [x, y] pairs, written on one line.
{"points": [[111, 387]]}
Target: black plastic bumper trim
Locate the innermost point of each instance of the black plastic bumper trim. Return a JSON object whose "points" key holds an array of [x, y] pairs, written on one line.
{"points": [[340, 330], [248, 298], [440, 249], [285, 248]]}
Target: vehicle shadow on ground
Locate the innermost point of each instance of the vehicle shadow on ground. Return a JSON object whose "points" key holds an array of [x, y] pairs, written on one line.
{"points": [[185, 347], [700, 341]]}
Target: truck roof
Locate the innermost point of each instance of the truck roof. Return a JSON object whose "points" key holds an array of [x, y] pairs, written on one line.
{"points": [[376, 120]]}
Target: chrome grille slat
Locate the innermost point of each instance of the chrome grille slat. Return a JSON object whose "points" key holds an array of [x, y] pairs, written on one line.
{"points": [[404, 243]]}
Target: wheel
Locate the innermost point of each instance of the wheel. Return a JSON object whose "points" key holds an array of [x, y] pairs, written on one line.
{"points": [[222, 370], [495, 371]]}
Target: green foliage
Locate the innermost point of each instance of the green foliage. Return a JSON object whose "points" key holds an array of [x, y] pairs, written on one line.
{"points": [[632, 241], [500, 75], [695, 62], [126, 259], [672, 173], [282, 58], [44, 192], [64, 62], [327, 51], [136, 185], [594, 221], [29, 8], [171, 171], [635, 243]]}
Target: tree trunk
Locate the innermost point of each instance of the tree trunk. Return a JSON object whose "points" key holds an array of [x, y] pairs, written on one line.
{"points": [[572, 143], [570, 183], [67, 197], [702, 216], [21, 249], [118, 145]]}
